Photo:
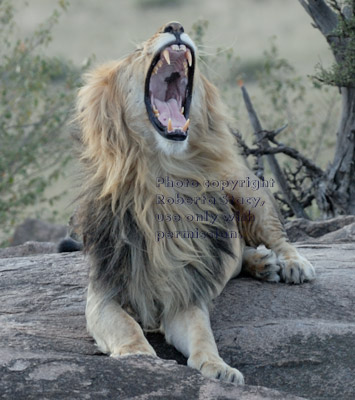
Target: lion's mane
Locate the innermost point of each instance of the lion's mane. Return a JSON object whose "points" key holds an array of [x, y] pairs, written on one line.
{"points": [[118, 204]]}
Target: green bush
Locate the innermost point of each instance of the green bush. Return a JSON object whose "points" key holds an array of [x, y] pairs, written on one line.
{"points": [[36, 99], [308, 109], [342, 72]]}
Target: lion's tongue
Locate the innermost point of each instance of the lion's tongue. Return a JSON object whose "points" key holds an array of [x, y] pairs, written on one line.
{"points": [[170, 109]]}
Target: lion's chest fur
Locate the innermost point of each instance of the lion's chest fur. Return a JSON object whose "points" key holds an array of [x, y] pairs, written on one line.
{"points": [[178, 262]]}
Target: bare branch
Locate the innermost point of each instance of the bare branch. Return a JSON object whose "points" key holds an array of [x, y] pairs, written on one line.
{"points": [[270, 135], [274, 166], [337, 8], [293, 153], [322, 15], [326, 20], [254, 120]]}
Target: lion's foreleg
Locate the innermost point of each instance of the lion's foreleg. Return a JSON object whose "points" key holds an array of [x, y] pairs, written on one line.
{"points": [[190, 332], [114, 331]]}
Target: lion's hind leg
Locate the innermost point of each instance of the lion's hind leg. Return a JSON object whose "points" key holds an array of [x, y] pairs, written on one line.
{"points": [[262, 264]]}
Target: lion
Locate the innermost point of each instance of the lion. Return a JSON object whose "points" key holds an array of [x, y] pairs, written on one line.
{"points": [[161, 179]]}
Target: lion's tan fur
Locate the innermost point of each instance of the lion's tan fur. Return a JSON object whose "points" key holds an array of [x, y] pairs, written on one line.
{"points": [[122, 160]]}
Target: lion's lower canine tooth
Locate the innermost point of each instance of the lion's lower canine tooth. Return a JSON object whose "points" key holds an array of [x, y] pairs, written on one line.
{"points": [[186, 68], [170, 125], [166, 56], [182, 110], [184, 128], [188, 57]]}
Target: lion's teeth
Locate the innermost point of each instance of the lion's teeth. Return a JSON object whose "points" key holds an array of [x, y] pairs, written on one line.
{"points": [[182, 47], [186, 69], [184, 128], [188, 57], [182, 110], [156, 111], [166, 56], [175, 47], [155, 69], [170, 125]]}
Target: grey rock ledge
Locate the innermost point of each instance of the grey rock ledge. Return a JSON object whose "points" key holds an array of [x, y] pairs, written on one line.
{"points": [[287, 340]]}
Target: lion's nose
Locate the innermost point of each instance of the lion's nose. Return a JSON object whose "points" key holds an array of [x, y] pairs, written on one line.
{"points": [[175, 28]]}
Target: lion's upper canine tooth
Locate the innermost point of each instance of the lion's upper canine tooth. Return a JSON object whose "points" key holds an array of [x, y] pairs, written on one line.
{"points": [[184, 128], [188, 57], [166, 56], [170, 125]]}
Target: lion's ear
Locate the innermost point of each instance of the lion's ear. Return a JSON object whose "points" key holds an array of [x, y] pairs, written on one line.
{"points": [[99, 111]]}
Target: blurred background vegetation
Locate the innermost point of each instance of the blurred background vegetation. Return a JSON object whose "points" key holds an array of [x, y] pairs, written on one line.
{"points": [[46, 46]]}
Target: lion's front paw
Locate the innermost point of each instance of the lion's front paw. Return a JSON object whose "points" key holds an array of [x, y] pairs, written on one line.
{"points": [[221, 370], [297, 269], [216, 368], [133, 348]]}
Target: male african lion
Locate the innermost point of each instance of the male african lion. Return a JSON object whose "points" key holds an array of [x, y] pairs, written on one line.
{"points": [[161, 182]]}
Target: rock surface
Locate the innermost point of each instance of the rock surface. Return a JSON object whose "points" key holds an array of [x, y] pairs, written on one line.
{"points": [[339, 230], [37, 230], [29, 248], [287, 340], [335, 230]]}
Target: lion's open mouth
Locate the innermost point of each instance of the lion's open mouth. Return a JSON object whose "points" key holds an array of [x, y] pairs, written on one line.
{"points": [[168, 90]]}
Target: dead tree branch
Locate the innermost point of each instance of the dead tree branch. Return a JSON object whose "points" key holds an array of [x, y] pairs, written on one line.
{"points": [[265, 149], [254, 120], [323, 16]]}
